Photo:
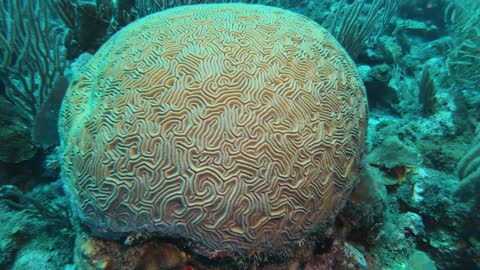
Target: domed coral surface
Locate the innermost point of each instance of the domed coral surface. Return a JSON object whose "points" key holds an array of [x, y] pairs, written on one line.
{"points": [[239, 127]]}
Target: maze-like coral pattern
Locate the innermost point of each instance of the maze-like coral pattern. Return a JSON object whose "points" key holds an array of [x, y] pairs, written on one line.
{"points": [[236, 126]]}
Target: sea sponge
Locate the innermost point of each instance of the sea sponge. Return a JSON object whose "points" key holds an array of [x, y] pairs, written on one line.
{"points": [[238, 127]]}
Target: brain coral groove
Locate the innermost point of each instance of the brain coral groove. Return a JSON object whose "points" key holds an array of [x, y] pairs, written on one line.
{"points": [[236, 126]]}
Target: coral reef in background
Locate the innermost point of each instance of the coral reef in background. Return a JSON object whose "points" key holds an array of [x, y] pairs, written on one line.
{"points": [[33, 234], [420, 216], [92, 23]]}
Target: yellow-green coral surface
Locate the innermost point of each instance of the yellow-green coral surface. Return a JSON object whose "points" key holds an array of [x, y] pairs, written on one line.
{"points": [[239, 127]]}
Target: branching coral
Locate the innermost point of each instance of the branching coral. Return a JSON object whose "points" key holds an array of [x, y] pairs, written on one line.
{"points": [[31, 59], [32, 65], [353, 25]]}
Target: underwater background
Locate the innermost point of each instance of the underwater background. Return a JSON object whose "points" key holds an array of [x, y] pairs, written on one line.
{"points": [[415, 206]]}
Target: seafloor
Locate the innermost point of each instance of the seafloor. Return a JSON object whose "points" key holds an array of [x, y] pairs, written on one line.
{"points": [[416, 206]]}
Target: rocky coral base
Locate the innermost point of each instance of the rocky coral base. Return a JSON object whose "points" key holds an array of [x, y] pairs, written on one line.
{"points": [[93, 253]]}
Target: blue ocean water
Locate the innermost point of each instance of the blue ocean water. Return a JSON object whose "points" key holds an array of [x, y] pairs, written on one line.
{"points": [[178, 135]]}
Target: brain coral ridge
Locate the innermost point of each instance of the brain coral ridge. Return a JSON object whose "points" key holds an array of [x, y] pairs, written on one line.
{"points": [[239, 127]]}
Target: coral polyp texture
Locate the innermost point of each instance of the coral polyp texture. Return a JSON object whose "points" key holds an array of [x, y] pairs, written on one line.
{"points": [[238, 127]]}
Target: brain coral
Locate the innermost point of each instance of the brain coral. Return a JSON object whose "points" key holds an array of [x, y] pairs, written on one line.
{"points": [[239, 127]]}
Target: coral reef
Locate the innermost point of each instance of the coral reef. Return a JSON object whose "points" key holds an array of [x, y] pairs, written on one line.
{"points": [[463, 60], [17, 145], [28, 237], [416, 202], [340, 256], [420, 261]]}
